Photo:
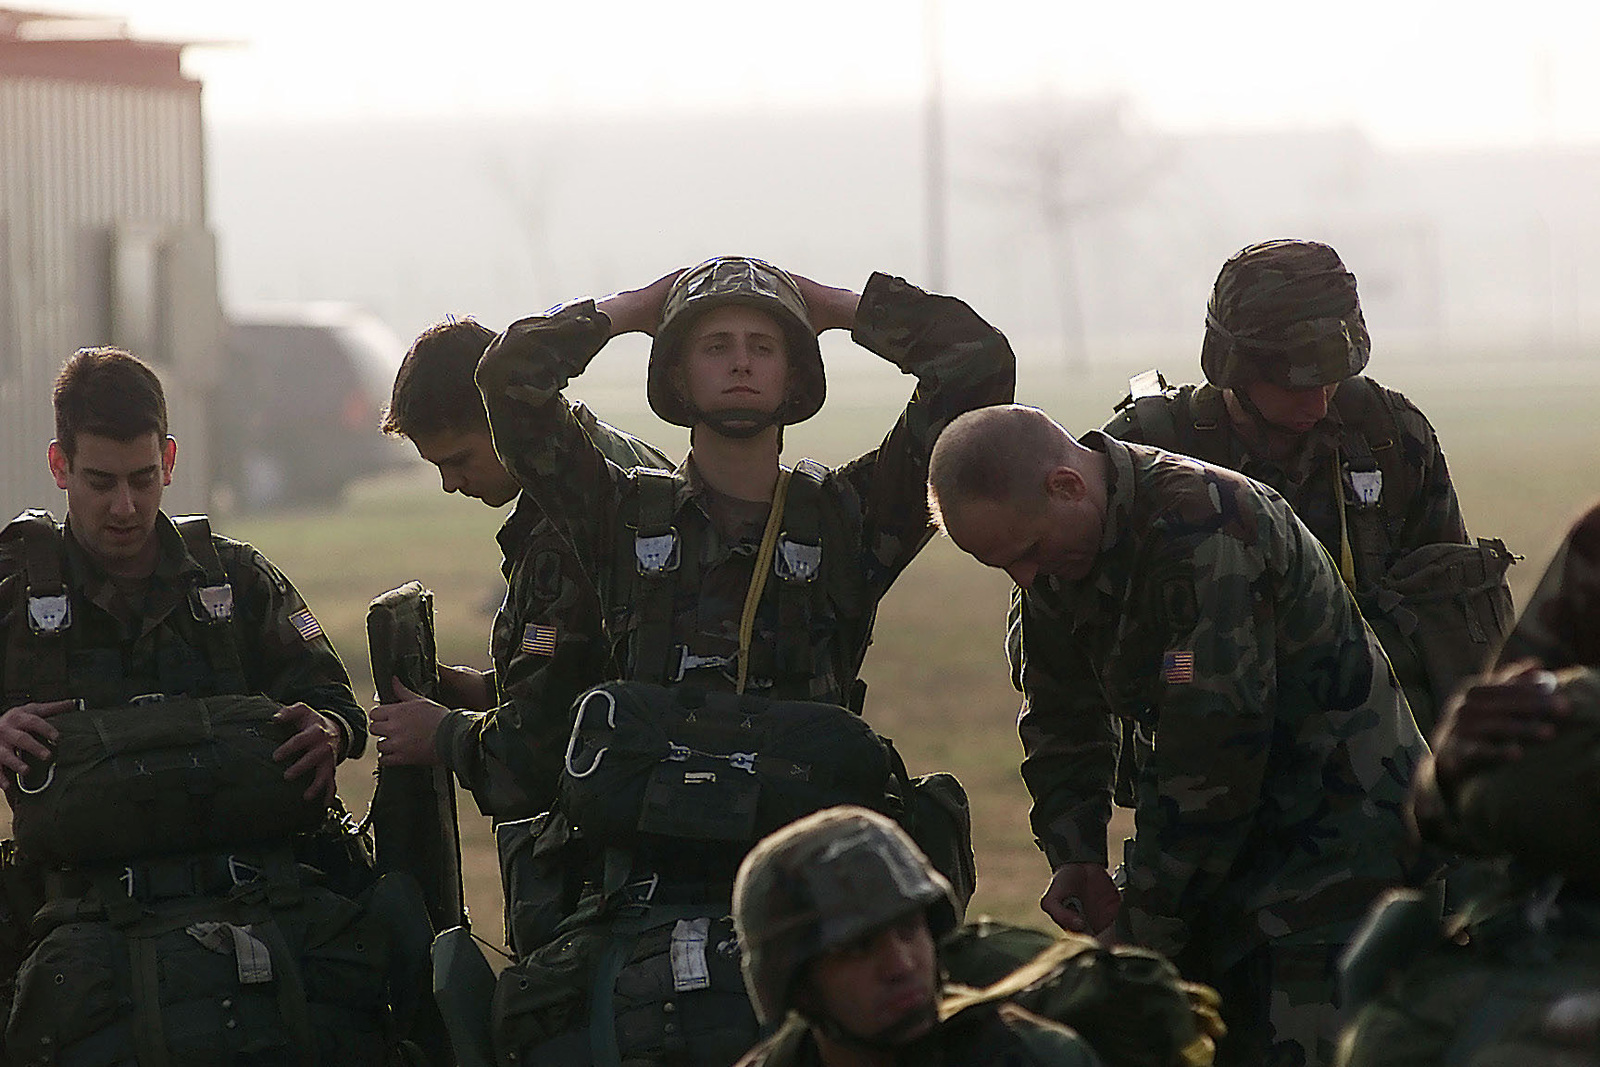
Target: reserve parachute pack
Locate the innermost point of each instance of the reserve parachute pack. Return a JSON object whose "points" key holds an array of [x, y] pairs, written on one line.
{"points": [[166, 775], [1440, 610], [189, 906], [618, 901], [1128, 1003]]}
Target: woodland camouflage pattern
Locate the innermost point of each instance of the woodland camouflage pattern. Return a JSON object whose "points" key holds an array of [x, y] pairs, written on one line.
{"points": [[960, 363], [1430, 515], [1268, 789], [1284, 312], [158, 647], [510, 758]]}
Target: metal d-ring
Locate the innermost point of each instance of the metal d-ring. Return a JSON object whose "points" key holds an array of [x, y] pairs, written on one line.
{"points": [[48, 778], [577, 728]]}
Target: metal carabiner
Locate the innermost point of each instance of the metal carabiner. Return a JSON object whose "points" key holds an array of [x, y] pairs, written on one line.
{"points": [[577, 728], [48, 778]]}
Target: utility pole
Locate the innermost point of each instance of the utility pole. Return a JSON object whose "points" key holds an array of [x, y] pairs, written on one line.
{"points": [[934, 168]]}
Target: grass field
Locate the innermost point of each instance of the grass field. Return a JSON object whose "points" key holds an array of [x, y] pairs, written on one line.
{"points": [[1521, 436]]}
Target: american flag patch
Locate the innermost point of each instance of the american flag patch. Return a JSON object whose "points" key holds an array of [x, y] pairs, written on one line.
{"points": [[538, 640], [1177, 668], [306, 623]]}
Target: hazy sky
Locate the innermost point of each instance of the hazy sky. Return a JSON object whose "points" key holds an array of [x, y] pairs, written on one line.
{"points": [[1435, 73]]}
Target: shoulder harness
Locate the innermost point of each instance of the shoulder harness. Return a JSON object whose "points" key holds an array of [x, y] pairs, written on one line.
{"points": [[655, 561], [36, 653]]}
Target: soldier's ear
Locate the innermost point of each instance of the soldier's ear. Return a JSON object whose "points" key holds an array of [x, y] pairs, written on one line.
{"points": [[60, 465], [1066, 483], [169, 457]]}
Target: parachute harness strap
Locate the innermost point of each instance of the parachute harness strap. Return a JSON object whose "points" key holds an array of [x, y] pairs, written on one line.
{"points": [[1347, 560], [758, 576]]}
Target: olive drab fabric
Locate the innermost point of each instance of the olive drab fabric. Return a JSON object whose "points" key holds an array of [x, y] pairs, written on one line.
{"points": [[1129, 1004], [984, 1035], [751, 283], [182, 928], [547, 647], [179, 775], [1214, 662], [1284, 312], [1437, 600], [820, 883]]}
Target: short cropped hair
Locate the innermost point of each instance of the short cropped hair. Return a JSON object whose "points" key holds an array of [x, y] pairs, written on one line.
{"points": [[109, 393], [1002, 453], [434, 390]]}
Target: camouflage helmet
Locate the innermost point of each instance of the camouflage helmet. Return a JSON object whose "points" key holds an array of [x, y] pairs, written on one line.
{"points": [[821, 883], [753, 283], [1286, 313]]}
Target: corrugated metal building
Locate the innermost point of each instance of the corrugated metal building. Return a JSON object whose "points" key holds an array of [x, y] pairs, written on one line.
{"points": [[103, 235]]}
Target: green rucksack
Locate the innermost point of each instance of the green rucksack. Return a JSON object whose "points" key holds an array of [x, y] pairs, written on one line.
{"points": [[1128, 1003], [180, 774]]}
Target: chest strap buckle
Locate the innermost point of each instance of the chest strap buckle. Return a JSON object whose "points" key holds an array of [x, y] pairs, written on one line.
{"points": [[212, 603], [49, 615], [656, 553]]}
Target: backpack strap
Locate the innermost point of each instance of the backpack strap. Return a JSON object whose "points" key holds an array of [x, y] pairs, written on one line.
{"points": [[36, 642], [211, 603], [1187, 419]]}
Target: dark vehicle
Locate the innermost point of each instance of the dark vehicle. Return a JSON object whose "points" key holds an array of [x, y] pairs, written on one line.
{"points": [[297, 410]]}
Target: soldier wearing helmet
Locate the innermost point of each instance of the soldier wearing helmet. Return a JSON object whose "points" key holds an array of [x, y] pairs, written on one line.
{"points": [[1286, 402], [735, 359], [839, 915], [733, 573]]}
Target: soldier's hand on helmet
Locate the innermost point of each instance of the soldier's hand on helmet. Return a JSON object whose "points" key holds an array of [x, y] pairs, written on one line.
{"points": [[313, 750], [1082, 898], [637, 310], [466, 687], [1492, 720], [829, 308], [24, 732], [405, 729]]}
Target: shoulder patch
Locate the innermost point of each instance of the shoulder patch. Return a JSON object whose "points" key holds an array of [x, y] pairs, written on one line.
{"points": [[306, 623]]}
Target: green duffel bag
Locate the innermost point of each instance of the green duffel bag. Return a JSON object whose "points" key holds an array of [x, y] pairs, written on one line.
{"points": [[182, 774], [1544, 808]]}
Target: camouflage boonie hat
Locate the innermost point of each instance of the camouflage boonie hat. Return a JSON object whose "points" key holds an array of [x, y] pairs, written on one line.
{"points": [[821, 883], [753, 283], [1286, 313]]}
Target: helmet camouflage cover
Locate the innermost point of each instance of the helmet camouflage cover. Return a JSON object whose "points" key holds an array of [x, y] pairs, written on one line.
{"points": [[821, 883], [1286, 313], [752, 283]]}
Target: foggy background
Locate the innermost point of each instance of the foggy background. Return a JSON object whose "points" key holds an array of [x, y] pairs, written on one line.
{"points": [[1096, 166]]}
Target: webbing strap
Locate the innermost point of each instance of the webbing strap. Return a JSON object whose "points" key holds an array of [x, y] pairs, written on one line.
{"points": [[149, 1035], [625, 931], [291, 990], [802, 528], [653, 589], [222, 647], [758, 576], [36, 664], [1347, 563]]}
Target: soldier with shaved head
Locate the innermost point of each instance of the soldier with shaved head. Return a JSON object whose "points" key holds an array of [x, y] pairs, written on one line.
{"points": [[1269, 747]]}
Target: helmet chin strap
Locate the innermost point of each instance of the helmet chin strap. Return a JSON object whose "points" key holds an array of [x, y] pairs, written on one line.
{"points": [[891, 1038], [738, 423]]}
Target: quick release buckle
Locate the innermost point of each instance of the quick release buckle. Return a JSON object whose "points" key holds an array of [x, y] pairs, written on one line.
{"points": [[212, 603], [688, 661], [49, 615], [656, 553], [240, 872], [795, 561]]}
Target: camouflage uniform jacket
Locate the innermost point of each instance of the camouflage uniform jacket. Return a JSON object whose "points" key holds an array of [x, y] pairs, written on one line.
{"points": [[875, 508], [1428, 514], [986, 1035], [1553, 629], [547, 649], [1272, 750], [159, 647]]}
